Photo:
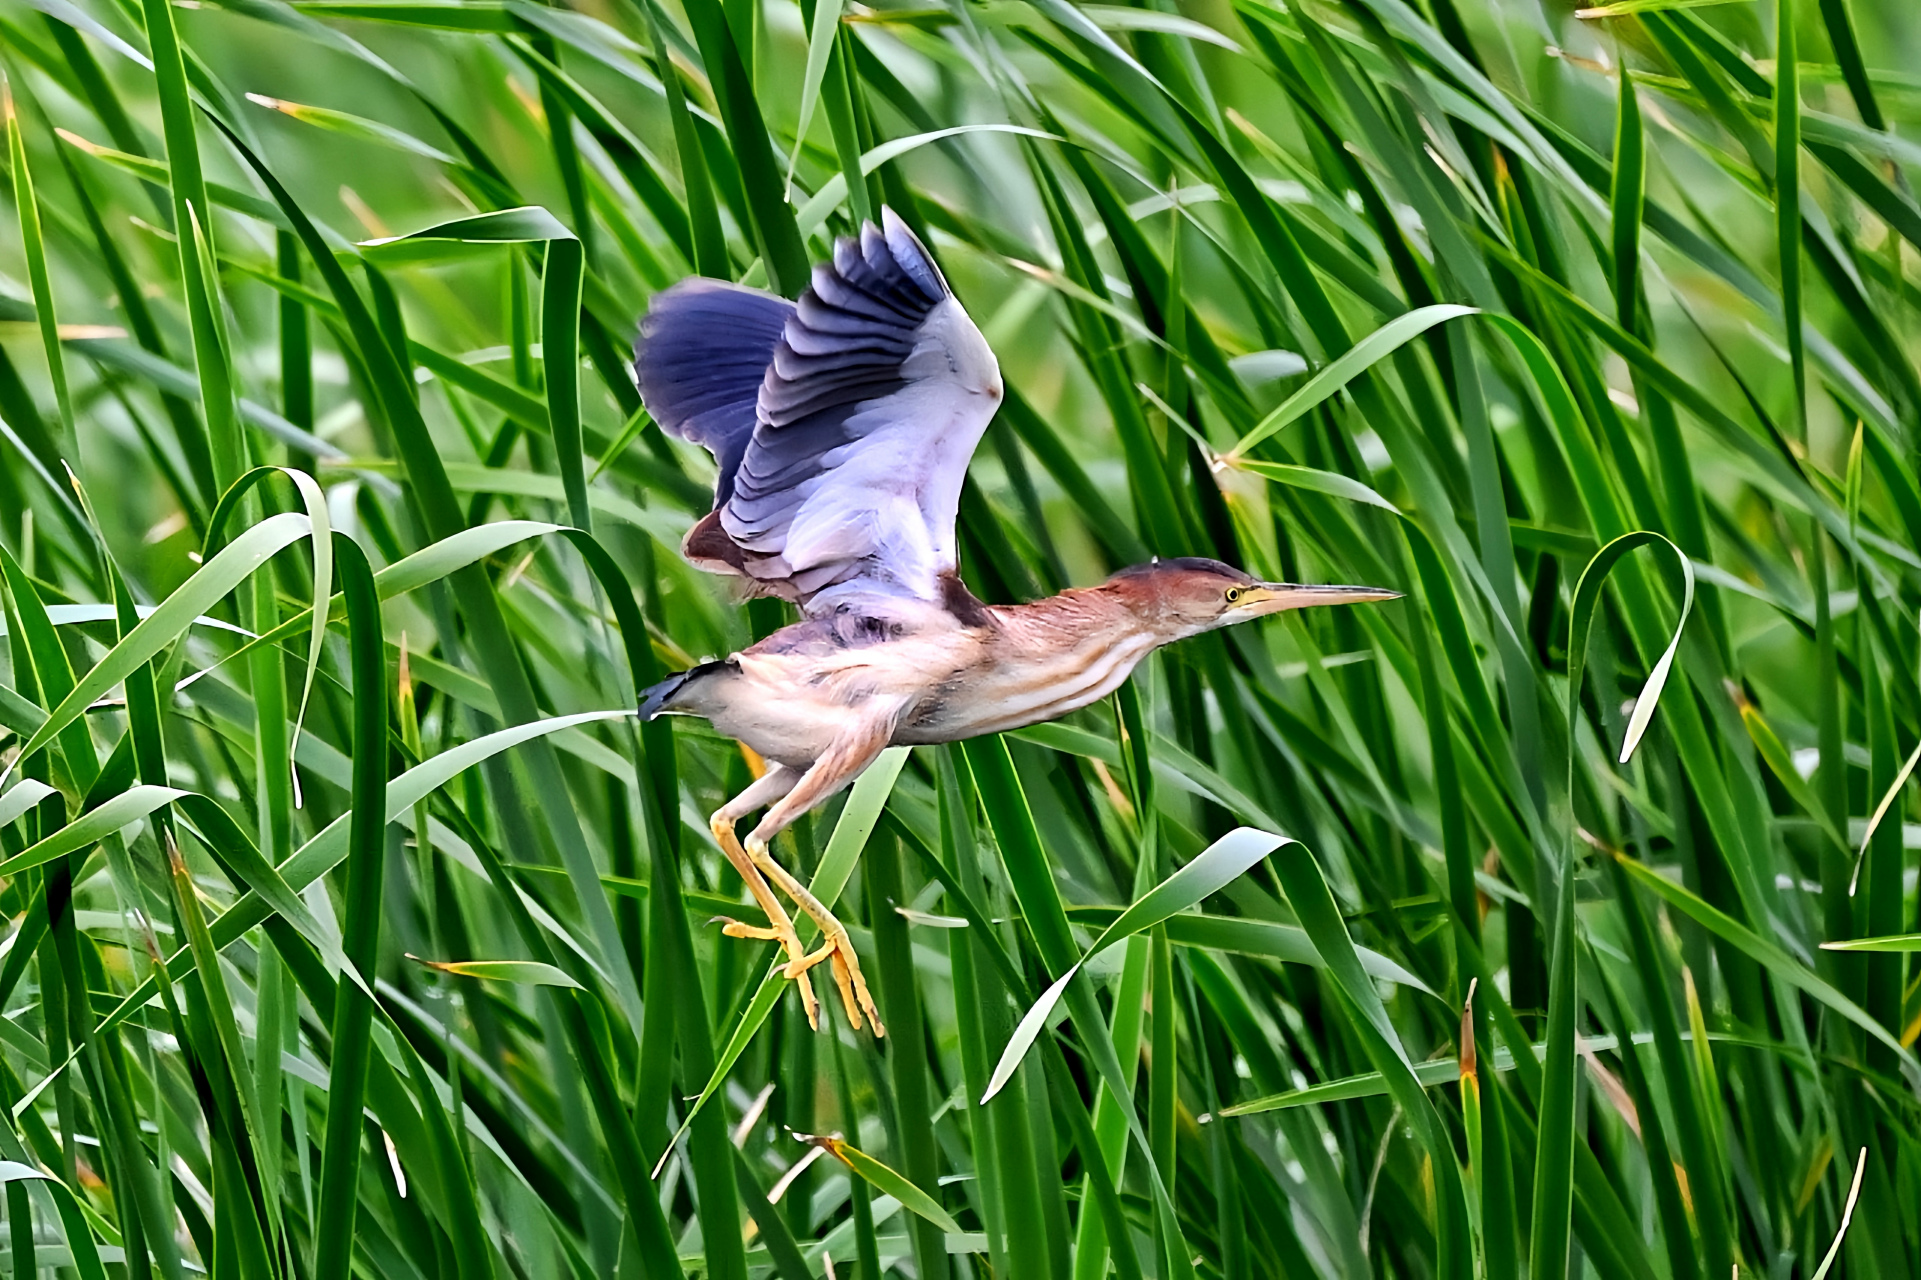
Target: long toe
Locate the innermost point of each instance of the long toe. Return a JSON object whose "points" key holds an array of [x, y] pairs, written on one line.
{"points": [[740, 929], [796, 966], [873, 1014], [808, 1003], [859, 985], [847, 996], [853, 987]]}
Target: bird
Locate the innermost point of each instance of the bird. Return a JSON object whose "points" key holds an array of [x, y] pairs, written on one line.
{"points": [[841, 426]]}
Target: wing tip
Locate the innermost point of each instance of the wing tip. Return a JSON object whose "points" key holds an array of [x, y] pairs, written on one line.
{"points": [[912, 254], [700, 355]]}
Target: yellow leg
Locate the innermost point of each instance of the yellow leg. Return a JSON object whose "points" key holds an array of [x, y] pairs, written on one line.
{"points": [[781, 929], [836, 946]]}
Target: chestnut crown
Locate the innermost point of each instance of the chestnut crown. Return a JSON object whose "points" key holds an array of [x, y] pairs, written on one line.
{"points": [[1186, 595]]}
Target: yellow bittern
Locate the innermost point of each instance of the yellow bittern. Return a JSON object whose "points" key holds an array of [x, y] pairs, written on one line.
{"points": [[842, 426]]}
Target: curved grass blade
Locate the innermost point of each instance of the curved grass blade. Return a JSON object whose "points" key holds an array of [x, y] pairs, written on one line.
{"points": [[885, 1180], [128, 807], [321, 526], [21, 799], [428, 565], [1549, 1240], [1847, 1216], [530, 973], [1218, 865], [1353, 362], [1331, 483], [560, 293], [1880, 812], [366, 851], [833, 192], [211, 582], [1263, 938]]}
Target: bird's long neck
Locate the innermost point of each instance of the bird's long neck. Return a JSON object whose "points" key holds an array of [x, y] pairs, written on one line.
{"points": [[1058, 655]]}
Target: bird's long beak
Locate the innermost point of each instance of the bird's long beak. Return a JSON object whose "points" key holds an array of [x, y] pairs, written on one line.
{"points": [[1278, 597]]}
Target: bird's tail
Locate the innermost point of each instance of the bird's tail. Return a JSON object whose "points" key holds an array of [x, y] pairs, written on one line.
{"points": [[658, 698]]}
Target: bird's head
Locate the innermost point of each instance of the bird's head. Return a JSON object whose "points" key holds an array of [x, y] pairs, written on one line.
{"points": [[1187, 595]]}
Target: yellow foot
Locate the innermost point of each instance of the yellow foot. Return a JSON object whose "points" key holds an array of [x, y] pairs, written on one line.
{"points": [[739, 929], [780, 926], [790, 943], [839, 950], [835, 944]]}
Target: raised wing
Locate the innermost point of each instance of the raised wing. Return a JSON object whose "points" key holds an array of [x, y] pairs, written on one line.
{"points": [[841, 459]]}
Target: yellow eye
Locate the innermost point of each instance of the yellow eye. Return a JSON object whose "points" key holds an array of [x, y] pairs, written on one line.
{"points": [[1233, 594]]}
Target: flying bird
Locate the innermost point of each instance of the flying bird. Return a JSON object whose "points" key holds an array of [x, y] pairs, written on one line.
{"points": [[842, 425]]}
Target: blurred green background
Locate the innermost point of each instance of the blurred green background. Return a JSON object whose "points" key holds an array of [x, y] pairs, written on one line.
{"points": [[1587, 329]]}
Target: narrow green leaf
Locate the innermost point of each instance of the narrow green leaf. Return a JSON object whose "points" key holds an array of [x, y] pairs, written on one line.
{"points": [[176, 613], [21, 799], [1626, 200], [889, 1182], [27, 206], [128, 807], [1898, 943], [1787, 200], [1847, 1216], [770, 216], [352, 126], [560, 285], [1219, 864], [1317, 481], [820, 44], [366, 850], [530, 973], [1627, 8], [1353, 362], [528, 224]]}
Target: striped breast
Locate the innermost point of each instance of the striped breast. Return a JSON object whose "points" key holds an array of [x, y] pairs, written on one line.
{"points": [[1044, 660]]}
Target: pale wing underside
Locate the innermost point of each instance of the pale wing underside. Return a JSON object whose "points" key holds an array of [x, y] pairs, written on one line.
{"points": [[841, 476]]}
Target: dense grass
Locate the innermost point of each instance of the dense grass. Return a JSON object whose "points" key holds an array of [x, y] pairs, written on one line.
{"points": [[254, 1022]]}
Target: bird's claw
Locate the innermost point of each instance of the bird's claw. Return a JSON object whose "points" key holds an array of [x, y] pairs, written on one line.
{"points": [[790, 943], [741, 929], [838, 950]]}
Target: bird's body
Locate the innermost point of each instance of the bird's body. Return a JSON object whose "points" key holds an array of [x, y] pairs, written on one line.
{"points": [[943, 677], [843, 425]]}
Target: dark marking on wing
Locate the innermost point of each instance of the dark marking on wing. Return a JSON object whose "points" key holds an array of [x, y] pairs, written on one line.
{"points": [[703, 353], [815, 635], [787, 395], [844, 347], [708, 546], [962, 603]]}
